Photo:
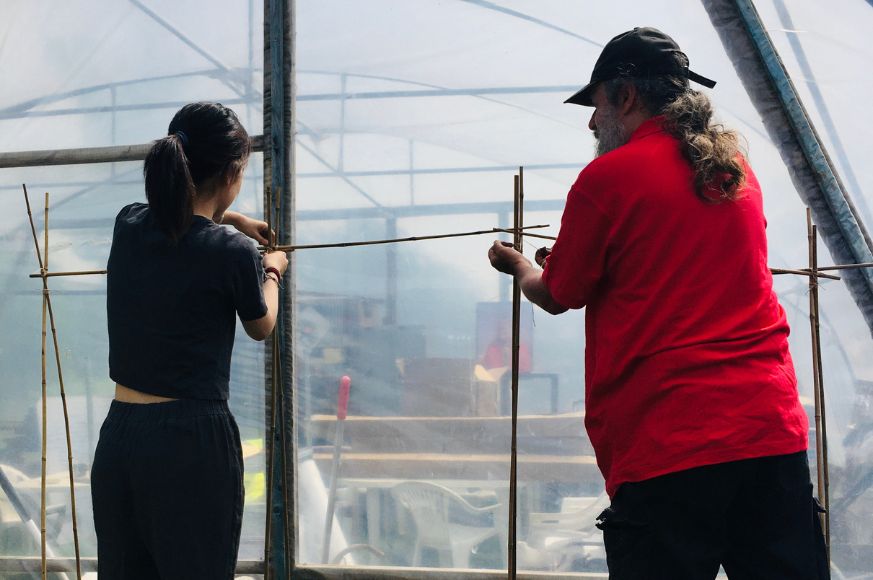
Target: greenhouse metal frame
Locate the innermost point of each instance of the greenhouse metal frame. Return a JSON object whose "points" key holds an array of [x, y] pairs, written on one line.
{"points": [[745, 39]]}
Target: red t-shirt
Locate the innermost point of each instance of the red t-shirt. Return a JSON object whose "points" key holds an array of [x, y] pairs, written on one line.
{"points": [[686, 357]]}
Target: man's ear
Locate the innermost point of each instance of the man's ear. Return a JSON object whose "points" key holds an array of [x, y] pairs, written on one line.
{"points": [[628, 98]]}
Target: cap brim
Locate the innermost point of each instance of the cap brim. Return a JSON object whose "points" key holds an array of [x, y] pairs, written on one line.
{"points": [[583, 96]]}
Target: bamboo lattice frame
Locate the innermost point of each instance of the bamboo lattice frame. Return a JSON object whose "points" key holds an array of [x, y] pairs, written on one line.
{"points": [[813, 272]]}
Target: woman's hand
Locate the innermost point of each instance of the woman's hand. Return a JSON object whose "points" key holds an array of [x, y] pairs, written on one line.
{"points": [[278, 260], [255, 229], [260, 328]]}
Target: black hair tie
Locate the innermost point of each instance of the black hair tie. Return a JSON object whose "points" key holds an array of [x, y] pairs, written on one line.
{"points": [[182, 137]]}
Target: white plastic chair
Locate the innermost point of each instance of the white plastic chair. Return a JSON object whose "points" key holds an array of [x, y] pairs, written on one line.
{"points": [[557, 539], [429, 504]]}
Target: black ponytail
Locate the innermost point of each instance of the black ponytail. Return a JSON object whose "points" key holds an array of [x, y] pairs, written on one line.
{"points": [[205, 141], [169, 187]]}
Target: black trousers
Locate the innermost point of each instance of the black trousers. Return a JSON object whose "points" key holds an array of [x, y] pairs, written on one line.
{"points": [[756, 517], [167, 490]]}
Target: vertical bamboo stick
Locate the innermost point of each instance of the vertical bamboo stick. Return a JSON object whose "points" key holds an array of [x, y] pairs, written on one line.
{"points": [[63, 399], [45, 226], [518, 222], [44, 393], [42, 503], [47, 308], [821, 450], [45, 295]]}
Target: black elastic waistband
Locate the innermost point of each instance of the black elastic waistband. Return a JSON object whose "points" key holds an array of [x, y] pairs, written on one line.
{"points": [[178, 409]]}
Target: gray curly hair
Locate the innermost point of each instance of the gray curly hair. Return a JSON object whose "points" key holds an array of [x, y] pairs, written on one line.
{"points": [[712, 150]]}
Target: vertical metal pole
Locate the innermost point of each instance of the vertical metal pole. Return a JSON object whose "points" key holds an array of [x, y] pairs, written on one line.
{"points": [[390, 273], [340, 164], [279, 190], [114, 131], [287, 235], [411, 172], [765, 78]]}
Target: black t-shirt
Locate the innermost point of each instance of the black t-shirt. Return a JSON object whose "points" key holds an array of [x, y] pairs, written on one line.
{"points": [[172, 308]]}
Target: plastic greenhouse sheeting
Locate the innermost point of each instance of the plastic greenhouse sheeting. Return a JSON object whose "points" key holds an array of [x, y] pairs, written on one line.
{"points": [[95, 74], [411, 119]]}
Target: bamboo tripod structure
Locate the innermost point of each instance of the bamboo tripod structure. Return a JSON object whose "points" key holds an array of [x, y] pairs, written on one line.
{"points": [[278, 419], [47, 308]]}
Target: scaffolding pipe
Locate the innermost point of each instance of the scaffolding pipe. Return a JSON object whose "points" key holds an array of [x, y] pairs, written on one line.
{"points": [[82, 155]]}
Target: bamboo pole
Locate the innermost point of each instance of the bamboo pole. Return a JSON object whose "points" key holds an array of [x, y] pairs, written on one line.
{"points": [[44, 435], [63, 402], [517, 226], [818, 386], [342, 245], [847, 267], [77, 273], [776, 271], [408, 239], [47, 306], [805, 272]]}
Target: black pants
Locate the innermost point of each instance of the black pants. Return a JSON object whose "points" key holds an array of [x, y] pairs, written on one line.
{"points": [[167, 491], [756, 517]]}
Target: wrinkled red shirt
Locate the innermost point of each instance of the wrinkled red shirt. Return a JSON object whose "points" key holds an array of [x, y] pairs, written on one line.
{"points": [[686, 354]]}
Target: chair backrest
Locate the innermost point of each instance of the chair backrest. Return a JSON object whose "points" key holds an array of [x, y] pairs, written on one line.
{"points": [[581, 516], [428, 503]]}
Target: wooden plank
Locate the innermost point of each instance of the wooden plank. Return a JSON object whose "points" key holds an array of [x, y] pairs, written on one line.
{"points": [[554, 434], [563, 425], [538, 468]]}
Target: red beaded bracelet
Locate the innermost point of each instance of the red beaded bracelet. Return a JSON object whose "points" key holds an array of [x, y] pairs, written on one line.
{"points": [[274, 271]]}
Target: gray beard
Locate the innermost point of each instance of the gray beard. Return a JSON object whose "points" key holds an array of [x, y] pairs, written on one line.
{"points": [[610, 134]]}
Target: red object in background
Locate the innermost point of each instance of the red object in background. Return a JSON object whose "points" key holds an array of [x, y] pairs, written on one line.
{"points": [[342, 403], [499, 354]]}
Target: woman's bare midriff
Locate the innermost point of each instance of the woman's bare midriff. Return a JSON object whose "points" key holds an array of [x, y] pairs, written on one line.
{"points": [[128, 395]]}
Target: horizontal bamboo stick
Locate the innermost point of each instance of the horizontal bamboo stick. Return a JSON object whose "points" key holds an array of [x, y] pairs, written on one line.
{"points": [[848, 266], [395, 240], [79, 273], [804, 272], [775, 271]]}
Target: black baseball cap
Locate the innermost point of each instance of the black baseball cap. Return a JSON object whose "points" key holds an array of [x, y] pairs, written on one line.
{"points": [[638, 53]]}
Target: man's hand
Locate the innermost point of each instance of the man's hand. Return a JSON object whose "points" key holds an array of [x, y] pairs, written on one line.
{"points": [[504, 258], [541, 255], [255, 229]]}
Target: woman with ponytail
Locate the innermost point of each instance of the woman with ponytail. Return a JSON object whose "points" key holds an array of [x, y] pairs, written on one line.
{"points": [[167, 476]]}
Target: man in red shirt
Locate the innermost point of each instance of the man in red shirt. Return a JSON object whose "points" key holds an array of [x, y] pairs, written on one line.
{"points": [[691, 398]]}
